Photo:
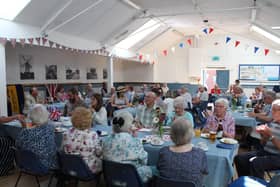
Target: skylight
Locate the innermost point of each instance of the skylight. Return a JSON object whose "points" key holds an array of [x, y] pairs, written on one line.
{"points": [[138, 35], [9, 9]]}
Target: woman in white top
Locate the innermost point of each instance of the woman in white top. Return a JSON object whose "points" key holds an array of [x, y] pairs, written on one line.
{"points": [[119, 101], [99, 112]]}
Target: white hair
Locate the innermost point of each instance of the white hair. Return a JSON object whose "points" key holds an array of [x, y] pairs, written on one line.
{"points": [[127, 122], [179, 102], [276, 102], [39, 114], [222, 101]]}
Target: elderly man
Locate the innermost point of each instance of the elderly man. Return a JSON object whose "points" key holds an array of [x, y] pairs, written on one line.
{"points": [[202, 95], [256, 162], [30, 99], [74, 101], [145, 114]]}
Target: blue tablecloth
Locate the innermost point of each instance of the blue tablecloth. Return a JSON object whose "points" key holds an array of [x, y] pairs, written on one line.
{"points": [[219, 160], [241, 119]]}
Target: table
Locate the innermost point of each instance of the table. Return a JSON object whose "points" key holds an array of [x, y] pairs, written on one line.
{"points": [[219, 160], [242, 120]]}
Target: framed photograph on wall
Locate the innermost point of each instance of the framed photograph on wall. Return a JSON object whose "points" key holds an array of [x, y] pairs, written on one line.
{"points": [[26, 67], [51, 72], [92, 73], [72, 73], [105, 74]]}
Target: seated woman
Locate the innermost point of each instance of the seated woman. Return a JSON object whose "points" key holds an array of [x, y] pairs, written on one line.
{"points": [[182, 161], [179, 106], [61, 95], [119, 101], [255, 163], [122, 147], [6, 153], [221, 120], [99, 112], [40, 139], [216, 90], [82, 140]]}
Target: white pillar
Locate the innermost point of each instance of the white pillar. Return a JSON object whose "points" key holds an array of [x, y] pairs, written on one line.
{"points": [[110, 71], [3, 82]]}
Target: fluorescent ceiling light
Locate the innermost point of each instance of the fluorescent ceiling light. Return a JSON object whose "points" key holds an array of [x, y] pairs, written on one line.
{"points": [[9, 9], [276, 27], [265, 33], [277, 52], [139, 34]]}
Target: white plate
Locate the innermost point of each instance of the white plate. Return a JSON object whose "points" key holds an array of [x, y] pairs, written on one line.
{"points": [[104, 133], [204, 135], [157, 142], [60, 129], [229, 141]]}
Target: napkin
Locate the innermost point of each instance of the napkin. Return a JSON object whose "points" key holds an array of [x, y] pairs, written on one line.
{"points": [[225, 146]]}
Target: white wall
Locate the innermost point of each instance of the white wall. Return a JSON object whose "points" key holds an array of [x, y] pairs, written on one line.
{"points": [[188, 62], [123, 71]]}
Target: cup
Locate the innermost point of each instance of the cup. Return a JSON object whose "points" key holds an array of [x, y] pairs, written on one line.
{"points": [[197, 132], [212, 136], [28, 123]]}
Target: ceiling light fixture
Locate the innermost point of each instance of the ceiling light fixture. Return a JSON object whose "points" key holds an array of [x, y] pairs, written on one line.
{"points": [[265, 33], [275, 28]]}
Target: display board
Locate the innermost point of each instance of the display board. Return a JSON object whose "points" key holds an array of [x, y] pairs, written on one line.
{"points": [[259, 72]]}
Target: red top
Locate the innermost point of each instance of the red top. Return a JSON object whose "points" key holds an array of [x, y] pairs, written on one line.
{"points": [[215, 91]]}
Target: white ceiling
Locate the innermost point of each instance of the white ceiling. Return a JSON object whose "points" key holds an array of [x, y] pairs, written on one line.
{"points": [[109, 21]]}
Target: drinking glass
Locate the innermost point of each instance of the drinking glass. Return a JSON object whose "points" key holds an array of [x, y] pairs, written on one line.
{"points": [[212, 136], [197, 132]]}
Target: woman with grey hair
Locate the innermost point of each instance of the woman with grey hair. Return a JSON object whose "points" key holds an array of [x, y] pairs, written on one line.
{"points": [[40, 138], [182, 161], [221, 120], [179, 106], [122, 147]]}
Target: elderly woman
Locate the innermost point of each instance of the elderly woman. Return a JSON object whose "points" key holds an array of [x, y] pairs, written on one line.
{"points": [[81, 140], [182, 161], [99, 112], [179, 106], [122, 147], [255, 163], [40, 139], [221, 120]]}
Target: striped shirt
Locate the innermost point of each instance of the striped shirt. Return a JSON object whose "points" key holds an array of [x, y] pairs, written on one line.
{"points": [[228, 123], [275, 130], [146, 115]]}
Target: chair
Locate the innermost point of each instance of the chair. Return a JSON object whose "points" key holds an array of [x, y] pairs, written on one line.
{"points": [[29, 163], [164, 182], [118, 174], [73, 167]]}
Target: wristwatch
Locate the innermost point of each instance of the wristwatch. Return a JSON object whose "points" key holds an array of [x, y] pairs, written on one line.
{"points": [[271, 138]]}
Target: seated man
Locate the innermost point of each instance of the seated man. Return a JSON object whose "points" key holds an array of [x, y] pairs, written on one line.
{"points": [[74, 101], [256, 162], [146, 113]]}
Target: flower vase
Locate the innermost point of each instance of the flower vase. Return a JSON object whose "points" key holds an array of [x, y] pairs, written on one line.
{"points": [[160, 130]]}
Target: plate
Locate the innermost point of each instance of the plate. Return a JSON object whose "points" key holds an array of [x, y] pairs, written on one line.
{"points": [[229, 141], [60, 129], [204, 135], [157, 142], [102, 133]]}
